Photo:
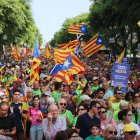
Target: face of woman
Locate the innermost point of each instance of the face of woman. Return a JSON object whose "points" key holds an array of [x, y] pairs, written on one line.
{"points": [[137, 97], [81, 110], [111, 133], [36, 101], [30, 94], [128, 116], [4, 110], [103, 113]]}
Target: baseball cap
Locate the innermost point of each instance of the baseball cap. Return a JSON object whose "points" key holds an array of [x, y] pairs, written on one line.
{"points": [[129, 128], [95, 78], [47, 93], [2, 95], [85, 97]]}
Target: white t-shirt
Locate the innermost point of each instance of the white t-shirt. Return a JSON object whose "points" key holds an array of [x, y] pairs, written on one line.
{"points": [[121, 126]]}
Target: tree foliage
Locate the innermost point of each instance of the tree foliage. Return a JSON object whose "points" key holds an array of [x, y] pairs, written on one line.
{"points": [[116, 19], [112, 19], [16, 22], [62, 36]]}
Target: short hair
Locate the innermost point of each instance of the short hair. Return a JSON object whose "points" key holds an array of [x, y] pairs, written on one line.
{"points": [[51, 106], [61, 135], [57, 85], [116, 89], [101, 89], [3, 103], [93, 103], [95, 125], [123, 113], [16, 91]]}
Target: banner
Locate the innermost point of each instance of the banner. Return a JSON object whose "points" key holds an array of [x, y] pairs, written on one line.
{"points": [[125, 60], [120, 74]]}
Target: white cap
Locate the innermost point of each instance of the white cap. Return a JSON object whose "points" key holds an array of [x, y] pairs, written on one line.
{"points": [[2, 94], [95, 78], [47, 93], [85, 97]]}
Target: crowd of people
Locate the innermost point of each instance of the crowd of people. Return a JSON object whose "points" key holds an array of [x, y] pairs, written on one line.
{"points": [[90, 108]]}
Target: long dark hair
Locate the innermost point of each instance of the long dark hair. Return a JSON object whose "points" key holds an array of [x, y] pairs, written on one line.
{"points": [[36, 96]]}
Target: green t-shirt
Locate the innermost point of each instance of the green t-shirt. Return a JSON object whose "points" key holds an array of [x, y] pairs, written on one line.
{"points": [[68, 114], [75, 121], [37, 92], [56, 95], [93, 88], [79, 98], [94, 138]]}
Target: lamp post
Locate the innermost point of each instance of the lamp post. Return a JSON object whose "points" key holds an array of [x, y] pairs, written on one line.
{"points": [[112, 43], [4, 49]]}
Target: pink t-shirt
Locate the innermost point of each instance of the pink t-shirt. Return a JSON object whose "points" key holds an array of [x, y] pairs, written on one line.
{"points": [[35, 113]]}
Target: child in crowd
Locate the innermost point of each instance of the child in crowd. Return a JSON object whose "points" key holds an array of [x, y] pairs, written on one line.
{"points": [[95, 131]]}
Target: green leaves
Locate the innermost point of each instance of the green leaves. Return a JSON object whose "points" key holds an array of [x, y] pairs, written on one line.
{"points": [[16, 22]]}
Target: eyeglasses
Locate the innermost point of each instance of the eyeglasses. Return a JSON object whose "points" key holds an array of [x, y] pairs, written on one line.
{"points": [[63, 104], [132, 133], [113, 132]]}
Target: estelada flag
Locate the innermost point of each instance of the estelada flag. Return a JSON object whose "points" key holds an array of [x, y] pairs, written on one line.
{"points": [[80, 29], [93, 45]]}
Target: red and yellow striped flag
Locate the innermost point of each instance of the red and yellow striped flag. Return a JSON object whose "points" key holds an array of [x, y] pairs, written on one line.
{"points": [[47, 52], [121, 56], [76, 67], [71, 45], [61, 55], [93, 45], [80, 29], [34, 73], [16, 55]]}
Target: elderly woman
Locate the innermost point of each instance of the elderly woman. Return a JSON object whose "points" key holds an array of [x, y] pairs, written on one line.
{"points": [[28, 98], [110, 131]]}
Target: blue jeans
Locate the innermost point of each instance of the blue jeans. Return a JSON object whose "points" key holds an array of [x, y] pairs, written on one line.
{"points": [[36, 132]]}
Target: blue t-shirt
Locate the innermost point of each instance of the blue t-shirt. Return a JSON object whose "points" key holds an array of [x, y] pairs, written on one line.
{"points": [[84, 123]]}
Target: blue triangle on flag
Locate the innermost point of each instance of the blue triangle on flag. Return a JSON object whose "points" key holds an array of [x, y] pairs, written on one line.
{"points": [[99, 40], [67, 64], [1, 64], [83, 29]]}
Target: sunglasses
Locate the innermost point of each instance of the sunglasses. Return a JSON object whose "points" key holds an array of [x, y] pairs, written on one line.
{"points": [[132, 133], [63, 104], [98, 108], [113, 132], [137, 96], [119, 93], [81, 109], [103, 112]]}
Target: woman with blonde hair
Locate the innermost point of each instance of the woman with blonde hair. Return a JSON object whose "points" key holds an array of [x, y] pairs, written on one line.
{"points": [[110, 131]]}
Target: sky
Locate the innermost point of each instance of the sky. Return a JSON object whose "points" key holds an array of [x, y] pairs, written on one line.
{"points": [[49, 15]]}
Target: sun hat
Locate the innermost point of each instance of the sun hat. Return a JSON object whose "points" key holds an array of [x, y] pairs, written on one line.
{"points": [[128, 128]]}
